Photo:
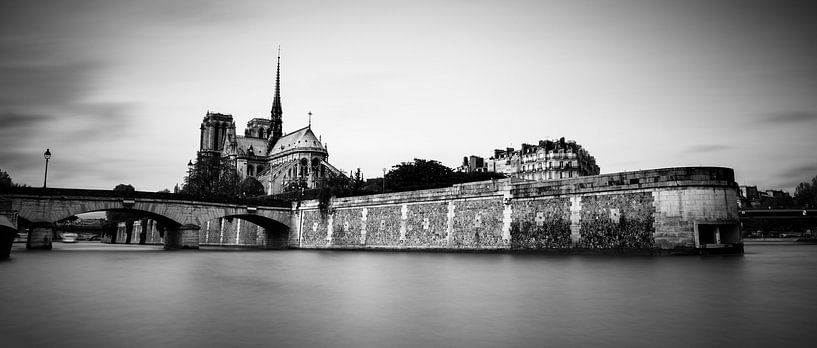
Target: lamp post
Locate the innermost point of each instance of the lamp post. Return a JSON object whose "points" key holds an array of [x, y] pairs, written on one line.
{"points": [[189, 181], [47, 156], [384, 180]]}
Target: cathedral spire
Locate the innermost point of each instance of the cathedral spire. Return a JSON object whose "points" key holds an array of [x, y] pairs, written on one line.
{"points": [[277, 112]]}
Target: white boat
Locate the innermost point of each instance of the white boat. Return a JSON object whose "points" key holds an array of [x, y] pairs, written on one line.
{"points": [[69, 237]]}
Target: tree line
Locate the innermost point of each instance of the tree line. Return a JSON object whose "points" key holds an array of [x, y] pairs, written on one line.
{"points": [[805, 194]]}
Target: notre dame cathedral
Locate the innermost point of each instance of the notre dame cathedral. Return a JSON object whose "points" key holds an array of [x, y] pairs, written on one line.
{"points": [[264, 152]]}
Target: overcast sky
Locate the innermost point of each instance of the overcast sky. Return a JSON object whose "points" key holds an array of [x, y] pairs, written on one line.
{"points": [[117, 89]]}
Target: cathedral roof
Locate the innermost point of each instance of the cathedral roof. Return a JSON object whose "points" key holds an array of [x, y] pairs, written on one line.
{"points": [[302, 139], [259, 146]]}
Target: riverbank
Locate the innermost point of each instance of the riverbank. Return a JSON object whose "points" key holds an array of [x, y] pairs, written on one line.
{"points": [[775, 241], [96, 245]]}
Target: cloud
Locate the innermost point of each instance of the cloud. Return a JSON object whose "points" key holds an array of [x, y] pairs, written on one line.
{"points": [[801, 173], [99, 121], [17, 129], [45, 84], [707, 148], [15, 121], [25, 135], [791, 117], [790, 177], [45, 101]]}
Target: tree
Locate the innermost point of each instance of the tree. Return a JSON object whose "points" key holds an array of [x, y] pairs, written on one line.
{"points": [[124, 188], [420, 174], [806, 193], [427, 174], [333, 186], [295, 186], [5, 179], [250, 187], [212, 177], [463, 177], [356, 181]]}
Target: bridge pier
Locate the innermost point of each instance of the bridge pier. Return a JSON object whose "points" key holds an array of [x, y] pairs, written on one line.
{"points": [[276, 239], [40, 236], [6, 240], [182, 237]]}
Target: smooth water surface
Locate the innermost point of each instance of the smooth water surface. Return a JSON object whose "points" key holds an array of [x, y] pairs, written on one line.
{"points": [[90, 294]]}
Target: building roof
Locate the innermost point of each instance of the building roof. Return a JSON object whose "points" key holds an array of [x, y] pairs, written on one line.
{"points": [[301, 139], [258, 120], [259, 146]]}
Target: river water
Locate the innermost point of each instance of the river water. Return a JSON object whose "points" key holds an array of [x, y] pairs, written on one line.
{"points": [[90, 294]]}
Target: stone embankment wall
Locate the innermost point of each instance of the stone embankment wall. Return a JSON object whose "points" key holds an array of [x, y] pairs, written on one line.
{"points": [[661, 209], [232, 232], [143, 231]]}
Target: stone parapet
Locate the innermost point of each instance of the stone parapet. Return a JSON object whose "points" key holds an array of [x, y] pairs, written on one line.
{"points": [[642, 179]]}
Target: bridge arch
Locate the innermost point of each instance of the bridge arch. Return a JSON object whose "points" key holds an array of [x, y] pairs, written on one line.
{"points": [[51, 223], [163, 220], [43, 210], [276, 233]]}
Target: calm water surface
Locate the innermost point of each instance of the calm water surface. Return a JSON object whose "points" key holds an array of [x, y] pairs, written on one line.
{"points": [[88, 295]]}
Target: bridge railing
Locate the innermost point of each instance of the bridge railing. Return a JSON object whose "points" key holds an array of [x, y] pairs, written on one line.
{"points": [[38, 191]]}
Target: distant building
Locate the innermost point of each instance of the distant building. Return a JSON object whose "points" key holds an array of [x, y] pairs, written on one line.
{"points": [[264, 152], [751, 197], [472, 164], [548, 160]]}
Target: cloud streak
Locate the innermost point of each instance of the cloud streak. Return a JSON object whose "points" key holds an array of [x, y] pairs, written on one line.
{"points": [[707, 148], [792, 176], [801, 173], [792, 117], [15, 121]]}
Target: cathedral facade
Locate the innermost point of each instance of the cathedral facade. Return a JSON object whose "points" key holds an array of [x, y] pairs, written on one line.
{"points": [[264, 152]]}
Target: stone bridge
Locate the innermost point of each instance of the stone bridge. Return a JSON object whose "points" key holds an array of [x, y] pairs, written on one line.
{"points": [[180, 219]]}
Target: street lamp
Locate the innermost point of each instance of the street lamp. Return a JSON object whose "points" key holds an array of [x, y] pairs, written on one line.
{"points": [[47, 156]]}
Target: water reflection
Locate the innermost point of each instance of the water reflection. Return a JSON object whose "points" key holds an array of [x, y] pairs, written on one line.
{"points": [[142, 296]]}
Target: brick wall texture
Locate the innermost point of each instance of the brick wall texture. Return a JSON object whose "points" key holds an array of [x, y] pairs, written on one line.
{"points": [[347, 227], [383, 226], [541, 223], [314, 229], [617, 221], [426, 225], [477, 223]]}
